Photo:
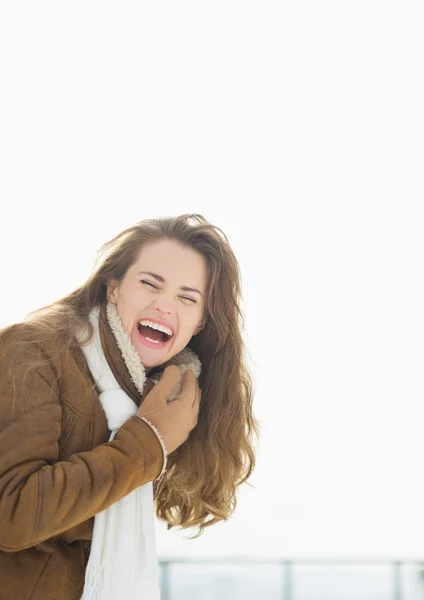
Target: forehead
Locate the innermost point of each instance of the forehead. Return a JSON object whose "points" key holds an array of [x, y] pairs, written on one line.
{"points": [[173, 260]]}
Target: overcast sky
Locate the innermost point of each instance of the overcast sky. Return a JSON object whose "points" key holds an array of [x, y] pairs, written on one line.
{"points": [[298, 129]]}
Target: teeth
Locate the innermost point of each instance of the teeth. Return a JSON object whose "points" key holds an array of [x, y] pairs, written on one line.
{"points": [[157, 326], [154, 341]]}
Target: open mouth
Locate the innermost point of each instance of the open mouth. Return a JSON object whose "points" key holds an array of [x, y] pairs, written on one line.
{"points": [[153, 335]]}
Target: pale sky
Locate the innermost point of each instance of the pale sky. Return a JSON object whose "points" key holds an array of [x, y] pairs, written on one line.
{"points": [[298, 130]]}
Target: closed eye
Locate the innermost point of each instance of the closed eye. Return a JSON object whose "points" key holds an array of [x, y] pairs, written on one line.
{"points": [[155, 286], [148, 283]]}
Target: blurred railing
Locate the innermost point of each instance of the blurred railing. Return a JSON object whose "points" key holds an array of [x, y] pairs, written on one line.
{"points": [[297, 579]]}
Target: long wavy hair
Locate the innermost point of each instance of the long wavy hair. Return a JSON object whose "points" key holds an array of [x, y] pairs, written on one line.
{"points": [[200, 484]]}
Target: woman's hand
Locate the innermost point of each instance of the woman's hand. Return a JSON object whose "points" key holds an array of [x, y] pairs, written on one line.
{"points": [[173, 420]]}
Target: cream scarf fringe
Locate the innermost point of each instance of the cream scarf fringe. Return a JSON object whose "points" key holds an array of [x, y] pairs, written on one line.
{"points": [[123, 561]]}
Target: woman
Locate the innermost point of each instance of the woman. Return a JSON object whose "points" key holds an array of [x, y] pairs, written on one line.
{"points": [[132, 388]]}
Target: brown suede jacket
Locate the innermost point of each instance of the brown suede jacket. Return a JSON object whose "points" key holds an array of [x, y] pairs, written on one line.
{"points": [[57, 468]]}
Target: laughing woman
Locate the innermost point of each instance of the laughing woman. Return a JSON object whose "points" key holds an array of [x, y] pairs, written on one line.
{"points": [[129, 397]]}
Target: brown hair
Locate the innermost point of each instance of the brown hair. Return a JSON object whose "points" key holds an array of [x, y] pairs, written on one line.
{"points": [[199, 486]]}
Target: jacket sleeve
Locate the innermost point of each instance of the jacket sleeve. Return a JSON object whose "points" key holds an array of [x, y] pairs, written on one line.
{"points": [[40, 496]]}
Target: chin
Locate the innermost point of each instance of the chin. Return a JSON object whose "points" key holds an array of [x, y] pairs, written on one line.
{"points": [[148, 363]]}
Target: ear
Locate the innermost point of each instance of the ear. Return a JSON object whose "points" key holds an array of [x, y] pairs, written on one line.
{"points": [[112, 292]]}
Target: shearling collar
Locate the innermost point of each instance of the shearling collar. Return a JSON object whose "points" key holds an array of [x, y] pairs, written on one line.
{"points": [[125, 363], [114, 357]]}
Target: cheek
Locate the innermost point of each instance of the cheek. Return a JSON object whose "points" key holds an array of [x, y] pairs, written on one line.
{"points": [[129, 307], [193, 324]]}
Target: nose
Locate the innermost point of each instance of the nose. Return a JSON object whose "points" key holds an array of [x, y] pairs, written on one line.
{"points": [[164, 306]]}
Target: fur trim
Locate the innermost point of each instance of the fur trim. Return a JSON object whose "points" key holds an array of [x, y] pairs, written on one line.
{"points": [[127, 348]]}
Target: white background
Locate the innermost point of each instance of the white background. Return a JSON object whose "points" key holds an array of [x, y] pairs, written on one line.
{"points": [[298, 129]]}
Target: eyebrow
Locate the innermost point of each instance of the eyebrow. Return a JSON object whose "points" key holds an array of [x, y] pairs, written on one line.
{"points": [[185, 288]]}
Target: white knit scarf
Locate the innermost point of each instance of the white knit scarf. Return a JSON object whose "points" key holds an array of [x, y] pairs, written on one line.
{"points": [[123, 561]]}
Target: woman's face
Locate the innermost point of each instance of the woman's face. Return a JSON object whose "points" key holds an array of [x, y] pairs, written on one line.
{"points": [[142, 296]]}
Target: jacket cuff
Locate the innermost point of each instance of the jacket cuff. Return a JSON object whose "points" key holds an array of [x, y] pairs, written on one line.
{"points": [[162, 443]]}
